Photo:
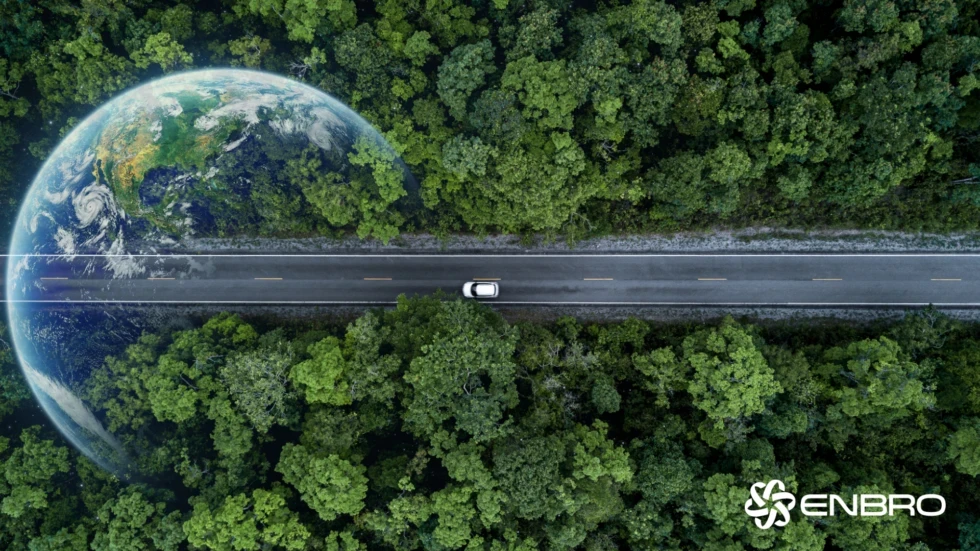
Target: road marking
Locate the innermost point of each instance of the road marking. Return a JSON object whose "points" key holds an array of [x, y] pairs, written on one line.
{"points": [[971, 305], [828, 279], [712, 279], [159, 278], [598, 279], [536, 256], [945, 279], [48, 278], [377, 279], [486, 279], [268, 279]]}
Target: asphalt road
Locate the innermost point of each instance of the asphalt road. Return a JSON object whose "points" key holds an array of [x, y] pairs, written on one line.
{"points": [[945, 280]]}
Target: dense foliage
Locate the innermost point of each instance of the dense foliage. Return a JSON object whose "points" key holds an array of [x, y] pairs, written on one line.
{"points": [[548, 115], [438, 425]]}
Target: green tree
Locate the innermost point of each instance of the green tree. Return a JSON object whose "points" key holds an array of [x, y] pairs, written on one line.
{"points": [[250, 51], [466, 375], [82, 70], [464, 70], [964, 447], [130, 521], [161, 49], [262, 521], [385, 180], [258, 382], [663, 373], [877, 379], [305, 19], [732, 380], [321, 376], [31, 472], [331, 486], [548, 91], [418, 48]]}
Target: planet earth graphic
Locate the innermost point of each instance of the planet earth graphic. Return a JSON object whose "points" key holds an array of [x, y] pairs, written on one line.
{"points": [[201, 154]]}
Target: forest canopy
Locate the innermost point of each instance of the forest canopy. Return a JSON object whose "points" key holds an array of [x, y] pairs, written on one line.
{"points": [[572, 118], [439, 425]]}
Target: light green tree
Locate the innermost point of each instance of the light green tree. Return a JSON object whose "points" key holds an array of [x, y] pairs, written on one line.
{"points": [[130, 521], [161, 49], [418, 48], [262, 521], [874, 377], [304, 19], [663, 373], [322, 376], [732, 380], [331, 486], [548, 91], [30, 473]]}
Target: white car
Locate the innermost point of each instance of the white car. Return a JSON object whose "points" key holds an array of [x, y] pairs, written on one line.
{"points": [[480, 289]]}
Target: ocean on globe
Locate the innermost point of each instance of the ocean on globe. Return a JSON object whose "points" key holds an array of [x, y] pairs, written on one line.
{"points": [[201, 154]]}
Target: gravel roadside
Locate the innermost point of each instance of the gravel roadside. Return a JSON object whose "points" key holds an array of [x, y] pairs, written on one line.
{"points": [[721, 241]]}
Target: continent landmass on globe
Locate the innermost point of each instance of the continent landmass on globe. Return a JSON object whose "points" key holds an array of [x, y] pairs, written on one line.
{"points": [[128, 150], [160, 154], [210, 153]]}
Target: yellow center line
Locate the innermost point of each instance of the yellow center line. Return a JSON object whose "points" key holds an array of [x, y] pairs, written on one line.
{"points": [[598, 279], [46, 278], [712, 279], [946, 279], [268, 279], [828, 279], [486, 279], [377, 279]]}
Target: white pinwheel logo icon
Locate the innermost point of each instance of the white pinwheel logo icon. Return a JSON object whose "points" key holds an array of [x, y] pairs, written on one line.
{"points": [[770, 504]]}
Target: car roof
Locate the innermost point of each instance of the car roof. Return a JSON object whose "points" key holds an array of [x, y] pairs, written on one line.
{"points": [[484, 288]]}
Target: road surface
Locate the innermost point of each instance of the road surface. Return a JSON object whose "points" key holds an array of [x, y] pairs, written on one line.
{"points": [[857, 280]]}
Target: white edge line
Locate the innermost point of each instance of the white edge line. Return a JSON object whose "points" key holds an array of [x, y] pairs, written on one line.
{"points": [[491, 302], [544, 255]]}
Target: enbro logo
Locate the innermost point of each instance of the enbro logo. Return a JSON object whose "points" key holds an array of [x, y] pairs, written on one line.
{"points": [[772, 506], [764, 510]]}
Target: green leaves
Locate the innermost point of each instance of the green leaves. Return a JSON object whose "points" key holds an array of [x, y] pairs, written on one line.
{"points": [[463, 72], [130, 521], [418, 48], [364, 196], [161, 49], [30, 472], [81, 71], [305, 19], [594, 456], [384, 181], [239, 523], [876, 379], [437, 423], [465, 376], [331, 486], [321, 376], [732, 380], [664, 373], [464, 157], [964, 447], [546, 89]]}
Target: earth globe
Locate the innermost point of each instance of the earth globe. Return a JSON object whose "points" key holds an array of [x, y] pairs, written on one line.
{"points": [[193, 155]]}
